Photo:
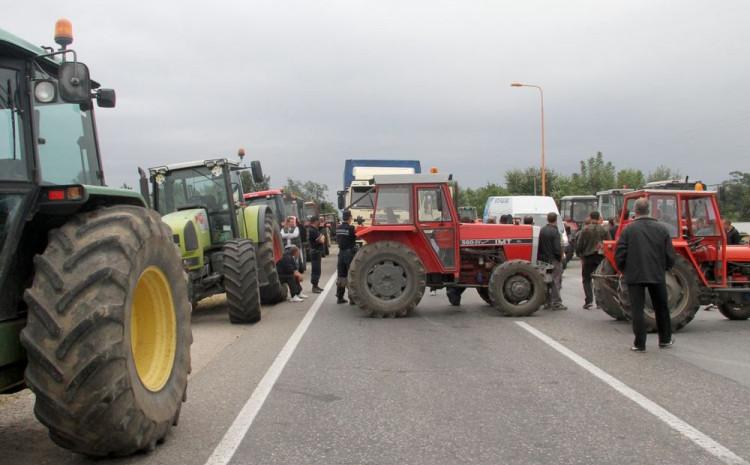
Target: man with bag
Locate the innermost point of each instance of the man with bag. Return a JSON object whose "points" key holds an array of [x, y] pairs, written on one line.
{"points": [[590, 248], [317, 245]]}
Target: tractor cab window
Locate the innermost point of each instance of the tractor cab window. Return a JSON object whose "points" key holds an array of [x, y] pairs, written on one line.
{"points": [[67, 148], [703, 217], [432, 205], [362, 197], [664, 209], [393, 205], [12, 160]]}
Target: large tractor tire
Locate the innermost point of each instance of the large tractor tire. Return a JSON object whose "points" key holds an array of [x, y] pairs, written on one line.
{"points": [[734, 311], [683, 288], [108, 332], [606, 293], [241, 281], [484, 293], [273, 292], [386, 279], [517, 288]]}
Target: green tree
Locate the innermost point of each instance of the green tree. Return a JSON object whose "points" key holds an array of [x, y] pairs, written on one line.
{"points": [[734, 196], [630, 178], [663, 173], [528, 181], [478, 197], [307, 190], [249, 186], [595, 175]]}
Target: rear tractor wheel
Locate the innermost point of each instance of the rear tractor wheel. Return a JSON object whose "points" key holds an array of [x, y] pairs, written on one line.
{"points": [[241, 281], [735, 311], [517, 288], [108, 332], [273, 291], [606, 284], [386, 279]]}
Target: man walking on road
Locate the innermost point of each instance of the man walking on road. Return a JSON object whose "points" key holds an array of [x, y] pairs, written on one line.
{"points": [[346, 239], [317, 245], [590, 248], [550, 251], [644, 255]]}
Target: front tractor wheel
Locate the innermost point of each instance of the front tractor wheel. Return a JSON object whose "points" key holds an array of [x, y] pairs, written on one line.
{"points": [[517, 288], [735, 311], [386, 279], [108, 332], [241, 281]]}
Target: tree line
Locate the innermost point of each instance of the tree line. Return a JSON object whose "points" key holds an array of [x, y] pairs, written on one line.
{"points": [[596, 174]]}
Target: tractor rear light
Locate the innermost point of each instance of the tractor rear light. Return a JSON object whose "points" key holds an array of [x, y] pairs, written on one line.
{"points": [[57, 194], [74, 193]]}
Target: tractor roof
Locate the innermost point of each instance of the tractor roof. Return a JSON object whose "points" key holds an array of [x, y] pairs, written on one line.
{"points": [[578, 197], [255, 195], [693, 193], [193, 164], [19, 46], [411, 178], [623, 190]]}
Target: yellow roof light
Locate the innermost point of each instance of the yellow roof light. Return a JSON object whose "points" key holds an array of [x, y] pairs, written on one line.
{"points": [[63, 32], [699, 186], [433, 170]]}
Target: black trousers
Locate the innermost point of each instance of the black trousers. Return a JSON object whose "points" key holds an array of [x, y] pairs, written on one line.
{"points": [[589, 265], [342, 267], [315, 256], [658, 293], [294, 286]]}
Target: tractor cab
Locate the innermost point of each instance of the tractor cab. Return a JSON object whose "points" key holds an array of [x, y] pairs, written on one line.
{"points": [[576, 208], [610, 202], [416, 240]]}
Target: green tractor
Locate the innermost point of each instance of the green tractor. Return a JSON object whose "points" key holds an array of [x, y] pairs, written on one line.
{"points": [[94, 311], [226, 245]]}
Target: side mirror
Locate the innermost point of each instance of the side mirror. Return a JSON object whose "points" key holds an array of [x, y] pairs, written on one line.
{"points": [[257, 171], [106, 98], [341, 200], [74, 82], [143, 182]]}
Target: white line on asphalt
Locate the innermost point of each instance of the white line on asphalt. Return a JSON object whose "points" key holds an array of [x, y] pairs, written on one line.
{"points": [[228, 445], [702, 440]]}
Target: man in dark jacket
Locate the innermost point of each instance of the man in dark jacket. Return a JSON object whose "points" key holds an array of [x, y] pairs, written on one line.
{"points": [[288, 270], [346, 239], [733, 236], [590, 248], [317, 245], [644, 254], [550, 251]]}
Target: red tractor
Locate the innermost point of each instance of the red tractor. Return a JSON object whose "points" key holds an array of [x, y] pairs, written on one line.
{"points": [[416, 240], [706, 271]]}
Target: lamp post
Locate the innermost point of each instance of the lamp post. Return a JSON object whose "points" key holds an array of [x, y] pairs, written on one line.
{"points": [[541, 94]]}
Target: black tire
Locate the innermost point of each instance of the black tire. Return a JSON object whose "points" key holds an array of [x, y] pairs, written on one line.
{"points": [[101, 276], [396, 281], [683, 288], [273, 292], [735, 312], [484, 293], [241, 281], [454, 295], [605, 291], [517, 288]]}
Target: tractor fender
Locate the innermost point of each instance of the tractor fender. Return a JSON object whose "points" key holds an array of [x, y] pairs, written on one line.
{"points": [[190, 231], [254, 216]]}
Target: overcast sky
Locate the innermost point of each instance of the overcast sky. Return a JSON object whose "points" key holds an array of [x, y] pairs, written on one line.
{"points": [[303, 85]]}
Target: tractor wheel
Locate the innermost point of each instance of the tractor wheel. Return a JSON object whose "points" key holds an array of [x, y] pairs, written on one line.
{"points": [[517, 288], [454, 295], [683, 288], [273, 292], [108, 332], [484, 293], [735, 312], [241, 281], [605, 291], [386, 279]]}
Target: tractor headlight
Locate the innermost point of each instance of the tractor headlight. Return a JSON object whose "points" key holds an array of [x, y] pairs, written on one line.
{"points": [[44, 91]]}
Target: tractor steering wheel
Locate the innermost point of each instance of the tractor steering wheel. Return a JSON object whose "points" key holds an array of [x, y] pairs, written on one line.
{"points": [[694, 242]]}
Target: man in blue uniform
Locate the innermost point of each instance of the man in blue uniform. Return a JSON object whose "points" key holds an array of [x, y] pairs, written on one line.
{"points": [[346, 239]]}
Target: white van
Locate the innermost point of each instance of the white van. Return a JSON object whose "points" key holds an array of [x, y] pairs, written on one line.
{"points": [[520, 206]]}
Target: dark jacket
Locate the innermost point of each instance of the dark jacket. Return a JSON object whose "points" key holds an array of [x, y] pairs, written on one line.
{"points": [[644, 251], [313, 235], [733, 236], [346, 237], [550, 245], [287, 265], [590, 240]]}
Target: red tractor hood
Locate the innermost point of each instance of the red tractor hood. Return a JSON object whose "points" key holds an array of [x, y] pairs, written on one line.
{"points": [[478, 235], [738, 253]]}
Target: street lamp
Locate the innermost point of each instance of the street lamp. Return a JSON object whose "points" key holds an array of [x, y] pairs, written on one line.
{"points": [[541, 94]]}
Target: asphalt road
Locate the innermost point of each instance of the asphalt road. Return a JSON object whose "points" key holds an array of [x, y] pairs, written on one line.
{"points": [[450, 385]]}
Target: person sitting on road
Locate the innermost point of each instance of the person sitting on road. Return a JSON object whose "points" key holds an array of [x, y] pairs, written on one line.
{"points": [[289, 274]]}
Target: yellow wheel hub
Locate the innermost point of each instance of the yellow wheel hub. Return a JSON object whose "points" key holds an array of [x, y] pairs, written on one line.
{"points": [[153, 329]]}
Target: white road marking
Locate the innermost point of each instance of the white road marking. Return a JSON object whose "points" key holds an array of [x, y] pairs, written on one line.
{"points": [[697, 437], [228, 445]]}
